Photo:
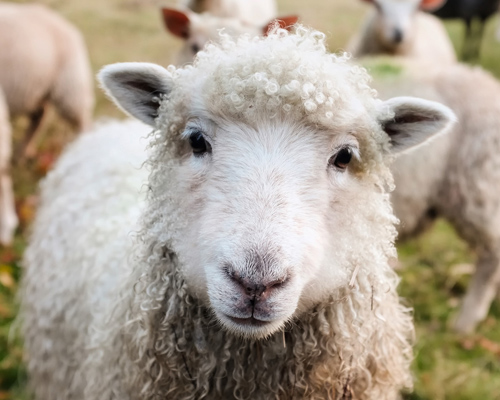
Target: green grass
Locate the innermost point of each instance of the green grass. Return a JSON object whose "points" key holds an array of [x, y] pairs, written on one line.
{"points": [[447, 366]]}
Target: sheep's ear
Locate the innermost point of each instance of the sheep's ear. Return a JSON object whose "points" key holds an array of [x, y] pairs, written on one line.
{"points": [[414, 121], [431, 5], [281, 22], [177, 22], [136, 88]]}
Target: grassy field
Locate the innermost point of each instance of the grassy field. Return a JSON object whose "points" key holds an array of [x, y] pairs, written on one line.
{"points": [[436, 266]]}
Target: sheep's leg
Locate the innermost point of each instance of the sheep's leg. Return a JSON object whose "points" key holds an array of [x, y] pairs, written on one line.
{"points": [[468, 40], [8, 217], [481, 292], [477, 39], [29, 147]]}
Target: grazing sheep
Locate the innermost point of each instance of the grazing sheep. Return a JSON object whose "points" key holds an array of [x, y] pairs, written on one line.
{"points": [[397, 27], [468, 11], [43, 60], [255, 12], [458, 176], [8, 217], [199, 29], [259, 266]]}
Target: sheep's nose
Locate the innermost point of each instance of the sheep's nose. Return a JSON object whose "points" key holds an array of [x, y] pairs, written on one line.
{"points": [[397, 36], [256, 290]]}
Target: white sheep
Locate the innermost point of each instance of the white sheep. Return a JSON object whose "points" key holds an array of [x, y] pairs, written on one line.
{"points": [[8, 217], [457, 176], [255, 12], [198, 29], [257, 267], [398, 27], [43, 60]]}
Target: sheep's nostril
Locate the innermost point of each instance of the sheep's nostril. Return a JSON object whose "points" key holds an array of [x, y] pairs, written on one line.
{"points": [[278, 283], [397, 36]]}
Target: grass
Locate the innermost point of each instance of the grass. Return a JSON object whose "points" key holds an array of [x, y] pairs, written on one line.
{"points": [[436, 265]]}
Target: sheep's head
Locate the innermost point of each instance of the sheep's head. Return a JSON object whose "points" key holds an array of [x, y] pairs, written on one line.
{"points": [[395, 23], [275, 152], [199, 29]]}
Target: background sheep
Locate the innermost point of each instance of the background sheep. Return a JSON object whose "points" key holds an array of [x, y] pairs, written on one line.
{"points": [[397, 27], [255, 12], [199, 29], [43, 60], [267, 214], [457, 175]]}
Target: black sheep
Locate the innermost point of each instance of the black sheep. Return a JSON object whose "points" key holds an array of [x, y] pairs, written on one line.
{"points": [[468, 11]]}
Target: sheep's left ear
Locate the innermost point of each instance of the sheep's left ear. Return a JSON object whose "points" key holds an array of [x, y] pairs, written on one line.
{"points": [[414, 121], [177, 22], [283, 23], [431, 5], [136, 88]]}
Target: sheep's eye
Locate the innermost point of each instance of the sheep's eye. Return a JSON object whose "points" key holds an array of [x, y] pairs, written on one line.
{"points": [[195, 48], [342, 158], [198, 143]]}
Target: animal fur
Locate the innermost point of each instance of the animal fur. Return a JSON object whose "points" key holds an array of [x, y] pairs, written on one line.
{"points": [[44, 60], [127, 298]]}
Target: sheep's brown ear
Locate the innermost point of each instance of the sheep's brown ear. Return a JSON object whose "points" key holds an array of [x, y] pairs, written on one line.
{"points": [[136, 88], [177, 22], [413, 121], [283, 22], [431, 5]]}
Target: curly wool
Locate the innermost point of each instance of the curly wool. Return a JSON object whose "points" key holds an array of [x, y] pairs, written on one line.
{"points": [[155, 340], [343, 345]]}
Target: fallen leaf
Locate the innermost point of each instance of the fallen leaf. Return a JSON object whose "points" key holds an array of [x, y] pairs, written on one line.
{"points": [[6, 276], [26, 209], [489, 345]]}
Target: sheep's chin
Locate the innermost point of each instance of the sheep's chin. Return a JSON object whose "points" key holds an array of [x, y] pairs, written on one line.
{"points": [[248, 329]]}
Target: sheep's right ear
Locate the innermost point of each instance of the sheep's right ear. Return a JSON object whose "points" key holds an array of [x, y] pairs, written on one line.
{"points": [[136, 88], [413, 121]]}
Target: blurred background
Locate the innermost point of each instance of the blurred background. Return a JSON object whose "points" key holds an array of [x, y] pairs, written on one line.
{"points": [[435, 268]]}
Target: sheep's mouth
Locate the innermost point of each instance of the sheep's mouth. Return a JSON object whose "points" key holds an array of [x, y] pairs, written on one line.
{"points": [[251, 321]]}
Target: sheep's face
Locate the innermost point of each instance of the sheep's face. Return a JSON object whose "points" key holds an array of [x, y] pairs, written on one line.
{"points": [[277, 185], [395, 22], [266, 203]]}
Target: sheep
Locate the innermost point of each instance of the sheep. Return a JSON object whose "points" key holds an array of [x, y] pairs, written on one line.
{"points": [[253, 264], [468, 11], [458, 176], [43, 60], [198, 29], [8, 217], [397, 27], [255, 12]]}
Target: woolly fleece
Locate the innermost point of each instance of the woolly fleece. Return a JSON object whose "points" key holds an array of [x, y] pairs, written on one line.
{"points": [[111, 310]]}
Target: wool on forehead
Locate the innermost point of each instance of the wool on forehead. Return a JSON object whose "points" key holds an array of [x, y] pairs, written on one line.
{"points": [[283, 73]]}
